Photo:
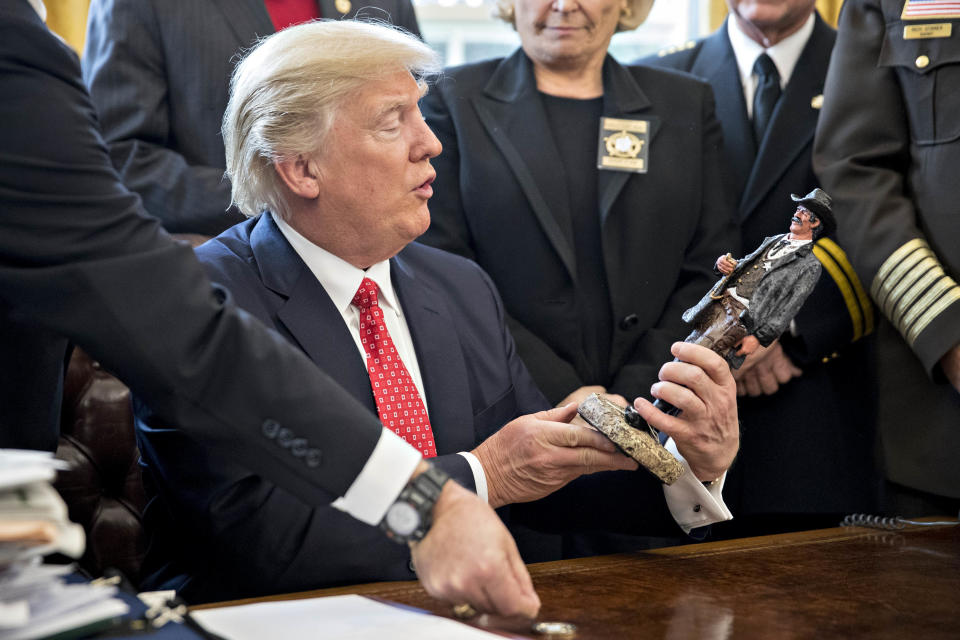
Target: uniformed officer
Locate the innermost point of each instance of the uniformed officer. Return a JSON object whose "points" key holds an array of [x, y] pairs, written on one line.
{"points": [[887, 149]]}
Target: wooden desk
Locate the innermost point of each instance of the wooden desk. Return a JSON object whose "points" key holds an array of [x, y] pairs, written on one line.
{"points": [[832, 583]]}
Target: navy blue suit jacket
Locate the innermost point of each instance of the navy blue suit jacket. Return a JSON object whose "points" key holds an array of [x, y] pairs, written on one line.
{"points": [[219, 531]]}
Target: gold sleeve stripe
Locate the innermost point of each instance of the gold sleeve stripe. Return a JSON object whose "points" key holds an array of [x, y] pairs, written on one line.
{"points": [[849, 297], [866, 306], [912, 287], [881, 290], [890, 263], [941, 295], [953, 295]]}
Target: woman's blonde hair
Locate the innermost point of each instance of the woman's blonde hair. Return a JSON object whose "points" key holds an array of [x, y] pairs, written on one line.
{"points": [[634, 15], [288, 89]]}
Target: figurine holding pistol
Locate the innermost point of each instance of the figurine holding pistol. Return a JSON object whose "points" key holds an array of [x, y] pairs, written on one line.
{"points": [[758, 295]]}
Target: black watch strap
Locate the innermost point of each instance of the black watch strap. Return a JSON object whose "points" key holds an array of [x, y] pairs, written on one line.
{"points": [[413, 509]]}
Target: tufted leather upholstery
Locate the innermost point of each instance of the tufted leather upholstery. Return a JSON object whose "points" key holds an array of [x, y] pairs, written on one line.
{"points": [[103, 489]]}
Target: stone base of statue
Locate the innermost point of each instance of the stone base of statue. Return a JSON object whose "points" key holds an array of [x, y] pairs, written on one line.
{"points": [[641, 445]]}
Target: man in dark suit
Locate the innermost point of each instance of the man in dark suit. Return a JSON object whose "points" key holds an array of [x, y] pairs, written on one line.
{"points": [[888, 146], [344, 203], [80, 259], [768, 110], [158, 73]]}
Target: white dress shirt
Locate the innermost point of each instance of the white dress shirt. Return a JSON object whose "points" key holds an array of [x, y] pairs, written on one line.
{"points": [[689, 501], [784, 54]]}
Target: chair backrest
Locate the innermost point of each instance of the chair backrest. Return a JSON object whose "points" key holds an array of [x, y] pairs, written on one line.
{"points": [[103, 488]]}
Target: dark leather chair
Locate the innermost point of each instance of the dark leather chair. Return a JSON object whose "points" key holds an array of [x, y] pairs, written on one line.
{"points": [[103, 488]]}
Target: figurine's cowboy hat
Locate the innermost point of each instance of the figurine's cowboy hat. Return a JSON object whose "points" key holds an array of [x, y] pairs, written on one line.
{"points": [[818, 203]]}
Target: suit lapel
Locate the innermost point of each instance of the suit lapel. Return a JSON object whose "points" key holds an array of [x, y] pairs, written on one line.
{"points": [[512, 112], [248, 19], [440, 357], [717, 64], [622, 98], [308, 314], [793, 122]]}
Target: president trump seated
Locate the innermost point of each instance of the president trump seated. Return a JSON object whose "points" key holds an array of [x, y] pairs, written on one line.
{"points": [[329, 156]]}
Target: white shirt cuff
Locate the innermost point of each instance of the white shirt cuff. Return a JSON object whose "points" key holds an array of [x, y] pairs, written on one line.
{"points": [[386, 473], [479, 477], [692, 504]]}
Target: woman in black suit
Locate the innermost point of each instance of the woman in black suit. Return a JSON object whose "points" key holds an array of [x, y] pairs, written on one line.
{"points": [[589, 191]]}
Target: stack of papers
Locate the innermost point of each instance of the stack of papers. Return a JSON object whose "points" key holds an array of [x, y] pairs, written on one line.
{"points": [[35, 599]]}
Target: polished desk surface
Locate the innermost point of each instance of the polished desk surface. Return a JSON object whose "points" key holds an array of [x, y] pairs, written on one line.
{"points": [[832, 583]]}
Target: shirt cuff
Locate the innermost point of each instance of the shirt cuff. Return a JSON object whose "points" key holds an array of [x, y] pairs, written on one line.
{"points": [[691, 503], [479, 477], [385, 474]]}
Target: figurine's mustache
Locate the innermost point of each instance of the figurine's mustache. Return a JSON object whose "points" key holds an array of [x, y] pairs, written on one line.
{"points": [[796, 219]]}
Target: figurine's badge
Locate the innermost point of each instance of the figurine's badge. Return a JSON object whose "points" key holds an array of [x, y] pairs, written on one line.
{"points": [[343, 6], [925, 9], [624, 145]]}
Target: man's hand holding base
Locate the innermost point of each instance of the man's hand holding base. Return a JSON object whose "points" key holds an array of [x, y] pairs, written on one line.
{"points": [[534, 455]]}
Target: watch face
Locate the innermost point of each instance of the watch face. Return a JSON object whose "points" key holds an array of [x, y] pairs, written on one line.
{"points": [[402, 518]]}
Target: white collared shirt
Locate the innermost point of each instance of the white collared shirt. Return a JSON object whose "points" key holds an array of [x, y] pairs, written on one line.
{"points": [[340, 280], [784, 54]]}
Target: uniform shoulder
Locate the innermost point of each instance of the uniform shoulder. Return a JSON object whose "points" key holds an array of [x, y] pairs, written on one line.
{"points": [[678, 56]]}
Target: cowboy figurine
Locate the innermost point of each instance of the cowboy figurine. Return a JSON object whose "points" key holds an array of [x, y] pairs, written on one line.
{"points": [[758, 296]]}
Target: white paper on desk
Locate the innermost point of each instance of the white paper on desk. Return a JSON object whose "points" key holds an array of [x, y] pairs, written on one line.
{"points": [[350, 617]]}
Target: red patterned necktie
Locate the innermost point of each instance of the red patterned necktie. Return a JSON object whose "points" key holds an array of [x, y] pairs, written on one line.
{"points": [[398, 401]]}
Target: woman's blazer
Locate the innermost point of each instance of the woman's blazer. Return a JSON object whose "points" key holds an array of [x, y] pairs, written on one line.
{"points": [[500, 199]]}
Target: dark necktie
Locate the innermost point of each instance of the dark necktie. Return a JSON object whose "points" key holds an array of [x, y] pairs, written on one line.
{"points": [[765, 99], [398, 402]]}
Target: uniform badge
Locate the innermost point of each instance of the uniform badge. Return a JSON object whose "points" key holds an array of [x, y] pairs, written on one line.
{"points": [[924, 31], [624, 145], [925, 9], [343, 6]]}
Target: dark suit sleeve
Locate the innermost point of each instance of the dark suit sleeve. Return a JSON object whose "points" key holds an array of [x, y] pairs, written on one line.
{"points": [[79, 257], [126, 69], [714, 235], [450, 231]]}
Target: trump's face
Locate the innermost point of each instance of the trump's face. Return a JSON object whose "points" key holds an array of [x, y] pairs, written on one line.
{"points": [[374, 174]]}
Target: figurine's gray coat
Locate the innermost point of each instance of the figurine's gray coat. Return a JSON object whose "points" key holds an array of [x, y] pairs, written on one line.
{"points": [[778, 296]]}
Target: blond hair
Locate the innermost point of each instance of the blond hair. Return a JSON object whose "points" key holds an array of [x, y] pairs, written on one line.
{"points": [[287, 90]]}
